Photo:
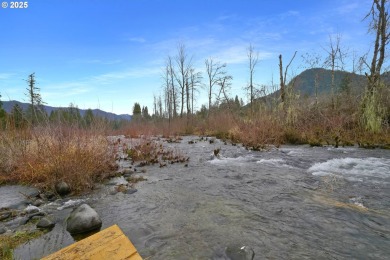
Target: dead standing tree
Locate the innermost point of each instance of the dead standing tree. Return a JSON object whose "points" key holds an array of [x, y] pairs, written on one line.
{"points": [[215, 71], [225, 83], [195, 81], [380, 26], [253, 59], [335, 60], [181, 75], [373, 112], [283, 77], [172, 88], [35, 100], [313, 61]]}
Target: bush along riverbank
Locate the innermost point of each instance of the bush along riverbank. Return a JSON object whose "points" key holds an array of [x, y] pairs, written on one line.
{"points": [[63, 163]]}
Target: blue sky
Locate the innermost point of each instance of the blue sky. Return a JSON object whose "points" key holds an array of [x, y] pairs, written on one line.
{"points": [[110, 54]]}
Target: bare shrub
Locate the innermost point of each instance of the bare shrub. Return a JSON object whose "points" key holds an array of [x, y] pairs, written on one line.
{"points": [[45, 155]]}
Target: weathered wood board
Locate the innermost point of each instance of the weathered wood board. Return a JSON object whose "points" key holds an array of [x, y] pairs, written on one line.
{"points": [[109, 243]]}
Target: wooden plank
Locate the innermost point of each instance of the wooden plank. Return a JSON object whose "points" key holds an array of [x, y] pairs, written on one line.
{"points": [[109, 243]]}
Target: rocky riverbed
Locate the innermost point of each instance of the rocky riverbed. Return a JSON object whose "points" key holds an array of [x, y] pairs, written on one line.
{"points": [[291, 202]]}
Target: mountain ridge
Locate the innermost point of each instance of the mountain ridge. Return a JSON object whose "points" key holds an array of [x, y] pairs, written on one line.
{"points": [[8, 105]]}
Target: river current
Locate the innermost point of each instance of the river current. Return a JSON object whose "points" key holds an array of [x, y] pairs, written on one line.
{"points": [[292, 202]]}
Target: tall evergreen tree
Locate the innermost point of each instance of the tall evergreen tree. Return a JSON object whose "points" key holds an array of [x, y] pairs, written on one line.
{"points": [[35, 111], [137, 112]]}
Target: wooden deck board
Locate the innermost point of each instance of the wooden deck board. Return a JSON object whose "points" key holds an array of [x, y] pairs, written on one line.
{"points": [[109, 243]]}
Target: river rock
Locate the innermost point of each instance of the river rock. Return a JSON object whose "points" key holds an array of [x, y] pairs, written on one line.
{"points": [[2, 230], [83, 219], [36, 214], [37, 202], [62, 188], [117, 181], [17, 222], [130, 191], [45, 223], [240, 253], [113, 190], [50, 196], [4, 215], [127, 172], [31, 209]]}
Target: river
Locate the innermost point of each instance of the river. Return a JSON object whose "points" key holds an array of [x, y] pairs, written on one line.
{"points": [[292, 202]]}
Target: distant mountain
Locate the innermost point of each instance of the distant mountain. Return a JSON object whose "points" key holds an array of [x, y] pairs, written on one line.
{"points": [[304, 82], [8, 105]]}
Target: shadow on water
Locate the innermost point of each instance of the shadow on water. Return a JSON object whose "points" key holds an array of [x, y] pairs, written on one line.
{"points": [[295, 202]]}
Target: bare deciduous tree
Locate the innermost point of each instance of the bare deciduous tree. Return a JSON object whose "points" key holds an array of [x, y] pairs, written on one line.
{"points": [[253, 58], [313, 61], [181, 75], [225, 83], [215, 71], [334, 60], [380, 26], [195, 82]]}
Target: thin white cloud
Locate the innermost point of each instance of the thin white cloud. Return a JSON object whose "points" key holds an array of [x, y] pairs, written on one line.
{"points": [[223, 18], [4, 76], [96, 61], [238, 54], [348, 8], [137, 39], [90, 84], [107, 78]]}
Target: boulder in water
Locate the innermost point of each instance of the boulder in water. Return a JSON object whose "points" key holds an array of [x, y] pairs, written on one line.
{"points": [[83, 219], [240, 253], [62, 188]]}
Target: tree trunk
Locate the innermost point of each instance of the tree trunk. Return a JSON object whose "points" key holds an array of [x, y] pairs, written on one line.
{"points": [[282, 94]]}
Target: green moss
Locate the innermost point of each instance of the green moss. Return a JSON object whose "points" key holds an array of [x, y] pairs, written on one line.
{"points": [[9, 242]]}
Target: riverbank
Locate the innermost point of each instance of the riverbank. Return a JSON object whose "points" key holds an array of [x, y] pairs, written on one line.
{"points": [[287, 202]]}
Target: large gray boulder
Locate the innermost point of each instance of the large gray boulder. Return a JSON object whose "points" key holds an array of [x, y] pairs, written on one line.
{"points": [[83, 219]]}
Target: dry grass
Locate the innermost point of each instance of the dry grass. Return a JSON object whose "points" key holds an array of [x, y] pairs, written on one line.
{"points": [[45, 155], [148, 152], [300, 121]]}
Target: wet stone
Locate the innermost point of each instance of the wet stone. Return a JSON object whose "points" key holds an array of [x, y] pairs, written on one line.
{"points": [[131, 191], [45, 223], [33, 193], [39, 214], [37, 202], [127, 172], [2, 230], [5, 215], [36, 217], [31, 209], [113, 191], [240, 253], [50, 196], [117, 181], [62, 188], [83, 219], [17, 222]]}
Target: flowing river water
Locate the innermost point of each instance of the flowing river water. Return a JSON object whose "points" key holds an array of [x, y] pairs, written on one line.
{"points": [[292, 202]]}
